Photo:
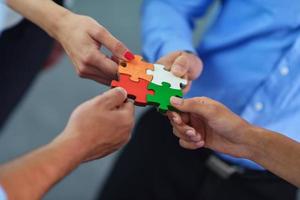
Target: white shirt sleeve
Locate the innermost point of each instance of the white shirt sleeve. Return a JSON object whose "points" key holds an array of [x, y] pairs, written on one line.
{"points": [[2, 15], [8, 17], [2, 194]]}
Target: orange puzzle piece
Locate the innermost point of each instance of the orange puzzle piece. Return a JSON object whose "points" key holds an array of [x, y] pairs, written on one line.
{"points": [[136, 69]]}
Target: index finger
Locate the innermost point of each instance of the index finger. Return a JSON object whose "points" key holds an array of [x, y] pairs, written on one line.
{"points": [[115, 46]]}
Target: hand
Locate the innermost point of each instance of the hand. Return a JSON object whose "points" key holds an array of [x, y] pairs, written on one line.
{"points": [[82, 37], [101, 125], [182, 64], [207, 123]]}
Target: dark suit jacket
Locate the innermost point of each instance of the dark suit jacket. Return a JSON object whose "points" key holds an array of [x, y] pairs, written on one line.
{"points": [[23, 51]]}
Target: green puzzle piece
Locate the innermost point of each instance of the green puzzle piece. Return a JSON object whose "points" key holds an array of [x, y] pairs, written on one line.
{"points": [[162, 95]]}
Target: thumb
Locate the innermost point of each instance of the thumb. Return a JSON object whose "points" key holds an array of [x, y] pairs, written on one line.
{"points": [[200, 105], [113, 98], [180, 66]]}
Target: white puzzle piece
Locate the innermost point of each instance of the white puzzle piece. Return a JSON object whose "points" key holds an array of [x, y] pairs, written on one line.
{"points": [[161, 75]]}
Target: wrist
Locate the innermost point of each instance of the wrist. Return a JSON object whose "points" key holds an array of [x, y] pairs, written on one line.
{"points": [[254, 142], [71, 147], [57, 22], [31, 176]]}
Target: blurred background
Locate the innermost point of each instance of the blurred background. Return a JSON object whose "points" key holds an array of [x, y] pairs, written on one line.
{"points": [[45, 110]]}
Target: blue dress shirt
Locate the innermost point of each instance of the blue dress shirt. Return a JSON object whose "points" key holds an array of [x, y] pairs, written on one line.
{"points": [[251, 55], [2, 194]]}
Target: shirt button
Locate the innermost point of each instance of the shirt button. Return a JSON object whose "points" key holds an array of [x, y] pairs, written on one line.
{"points": [[259, 106], [284, 70]]}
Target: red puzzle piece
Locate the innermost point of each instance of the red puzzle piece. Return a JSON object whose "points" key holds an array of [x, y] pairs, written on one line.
{"points": [[136, 90]]}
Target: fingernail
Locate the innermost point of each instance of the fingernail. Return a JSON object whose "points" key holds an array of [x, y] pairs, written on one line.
{"points": [[190, 133], [196, 138], [176, 101], [177, 68], [174, 118], [200, 144], [122, 90], [128, 55]]}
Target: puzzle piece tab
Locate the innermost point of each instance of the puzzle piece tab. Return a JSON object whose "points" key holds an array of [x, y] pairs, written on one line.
{"points": [[160, 75], [136, 69], [162, 95], [136, 90]]}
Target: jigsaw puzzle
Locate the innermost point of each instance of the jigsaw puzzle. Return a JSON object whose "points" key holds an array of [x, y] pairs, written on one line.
{"points": [[136, 90], [162, 95], [149, 84], [161, 75], [136, 69]]}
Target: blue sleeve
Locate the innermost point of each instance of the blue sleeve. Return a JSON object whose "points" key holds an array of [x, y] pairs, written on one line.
{"points": [[2, 194], [167, 25]]}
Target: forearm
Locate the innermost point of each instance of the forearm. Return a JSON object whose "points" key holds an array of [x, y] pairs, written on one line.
{"points": [[277, 153], [32, 175], [44, 13]]}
